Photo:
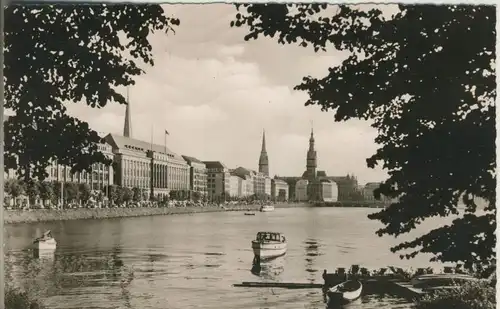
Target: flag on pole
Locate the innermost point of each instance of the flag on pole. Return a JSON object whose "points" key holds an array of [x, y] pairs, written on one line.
{"points": [[166, 132]]}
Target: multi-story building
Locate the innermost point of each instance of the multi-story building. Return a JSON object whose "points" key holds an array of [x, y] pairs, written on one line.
{"points": [[323, 190], [301, 190], [257, 183], [177, 172], [267, 185], [99, 177], [235, 186], [197, 175], [329, 191], [368, 193], [218, 180], [279, 190], [153, 168], [247, 185], [368, 190]]}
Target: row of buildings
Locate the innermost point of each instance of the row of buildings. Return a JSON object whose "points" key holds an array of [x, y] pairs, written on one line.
{"points": [[157, 170]]}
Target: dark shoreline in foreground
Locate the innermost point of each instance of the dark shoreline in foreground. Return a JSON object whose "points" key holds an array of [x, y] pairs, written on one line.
{"points": [[45, 215]]}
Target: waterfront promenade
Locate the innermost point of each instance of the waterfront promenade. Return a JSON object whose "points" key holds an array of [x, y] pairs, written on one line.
{"points": [[42, 215]]}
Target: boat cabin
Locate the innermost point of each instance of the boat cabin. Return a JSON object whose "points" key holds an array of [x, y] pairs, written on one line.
{"points": [[270, 236]]}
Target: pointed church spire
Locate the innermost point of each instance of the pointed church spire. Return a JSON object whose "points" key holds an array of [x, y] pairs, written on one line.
{"points": [[127, 128], [263, 140], [311, 161], [263, 159], [312, 133]]}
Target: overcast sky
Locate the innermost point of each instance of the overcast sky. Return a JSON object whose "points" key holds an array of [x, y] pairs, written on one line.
{"points": [[215, 93]]}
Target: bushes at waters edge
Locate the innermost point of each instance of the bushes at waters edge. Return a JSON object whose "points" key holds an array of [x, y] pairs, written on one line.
{"points": [[471, 295]]}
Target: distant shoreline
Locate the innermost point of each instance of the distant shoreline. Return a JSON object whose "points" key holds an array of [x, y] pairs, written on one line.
{"points": [[45, 215]]}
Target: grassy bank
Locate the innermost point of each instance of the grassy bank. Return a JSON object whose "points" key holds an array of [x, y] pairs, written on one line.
{"points": [[39, 215]]}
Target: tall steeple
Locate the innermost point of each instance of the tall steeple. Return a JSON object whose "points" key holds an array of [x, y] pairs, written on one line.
{"points": [[311, 162], [127, 128], [263, 159]]}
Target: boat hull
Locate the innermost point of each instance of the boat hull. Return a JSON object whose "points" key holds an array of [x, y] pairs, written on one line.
{"points": [[49, 244], [429, 281], [267, 208], [268, 250], [337, 296]]}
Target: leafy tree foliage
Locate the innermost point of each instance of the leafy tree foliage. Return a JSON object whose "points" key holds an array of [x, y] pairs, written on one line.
{"points": [[33, 190], [425, 78], [56, 188], [136, 194], [113, 193], [126, 194], [70, 191], [46, 190], [196, 196], [84, 192], [70, 53], [14, 188]]}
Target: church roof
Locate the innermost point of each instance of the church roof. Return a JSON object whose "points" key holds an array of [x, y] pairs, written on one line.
{"points": [[122, 142]]}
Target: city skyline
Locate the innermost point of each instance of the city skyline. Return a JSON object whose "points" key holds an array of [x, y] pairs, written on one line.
{"points": [[216, 96]]}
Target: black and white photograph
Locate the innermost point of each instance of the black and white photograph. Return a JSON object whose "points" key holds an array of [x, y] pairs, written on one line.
{"points": [[248, 155]]}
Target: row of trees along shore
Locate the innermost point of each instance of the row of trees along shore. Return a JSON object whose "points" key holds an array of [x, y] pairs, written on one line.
{"points": [[430, 97], [50, 191]]}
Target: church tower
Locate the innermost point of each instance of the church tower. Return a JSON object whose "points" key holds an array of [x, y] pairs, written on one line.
{"points": [[127, 128], [311, 158], [263, 159]]}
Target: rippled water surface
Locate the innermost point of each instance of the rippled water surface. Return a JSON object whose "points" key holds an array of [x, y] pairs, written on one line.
{"points": [[192, 261]]}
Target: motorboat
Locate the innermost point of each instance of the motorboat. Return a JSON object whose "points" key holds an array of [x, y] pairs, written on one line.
{"points": [[268, 245], [46, 242], [344, 292], [267, 208], [249, 213]]}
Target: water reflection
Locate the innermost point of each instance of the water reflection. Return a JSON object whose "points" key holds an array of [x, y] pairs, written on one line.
{"points": [[269, 269], [312, 248]]}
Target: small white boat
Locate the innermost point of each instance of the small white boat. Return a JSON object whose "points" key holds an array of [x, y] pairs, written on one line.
{"points": [[267, 208], [344, 292], [46, 242], [268, 245]]}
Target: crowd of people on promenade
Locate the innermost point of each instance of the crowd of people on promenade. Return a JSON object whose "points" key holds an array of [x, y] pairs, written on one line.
{"points": [[21, 195], [140, 204]]}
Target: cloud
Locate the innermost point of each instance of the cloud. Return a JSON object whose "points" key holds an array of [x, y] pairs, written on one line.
{"points": [[231, 51], [215, 93]]}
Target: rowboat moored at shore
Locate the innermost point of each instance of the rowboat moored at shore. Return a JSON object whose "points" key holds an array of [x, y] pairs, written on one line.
{"points": [[344, 292]]}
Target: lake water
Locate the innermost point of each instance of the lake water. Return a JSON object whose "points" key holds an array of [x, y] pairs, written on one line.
{"points": [[192, 261]]}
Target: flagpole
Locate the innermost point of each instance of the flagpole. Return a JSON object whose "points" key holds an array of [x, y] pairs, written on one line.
{"points": [[165, 141], [152, 130]]}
